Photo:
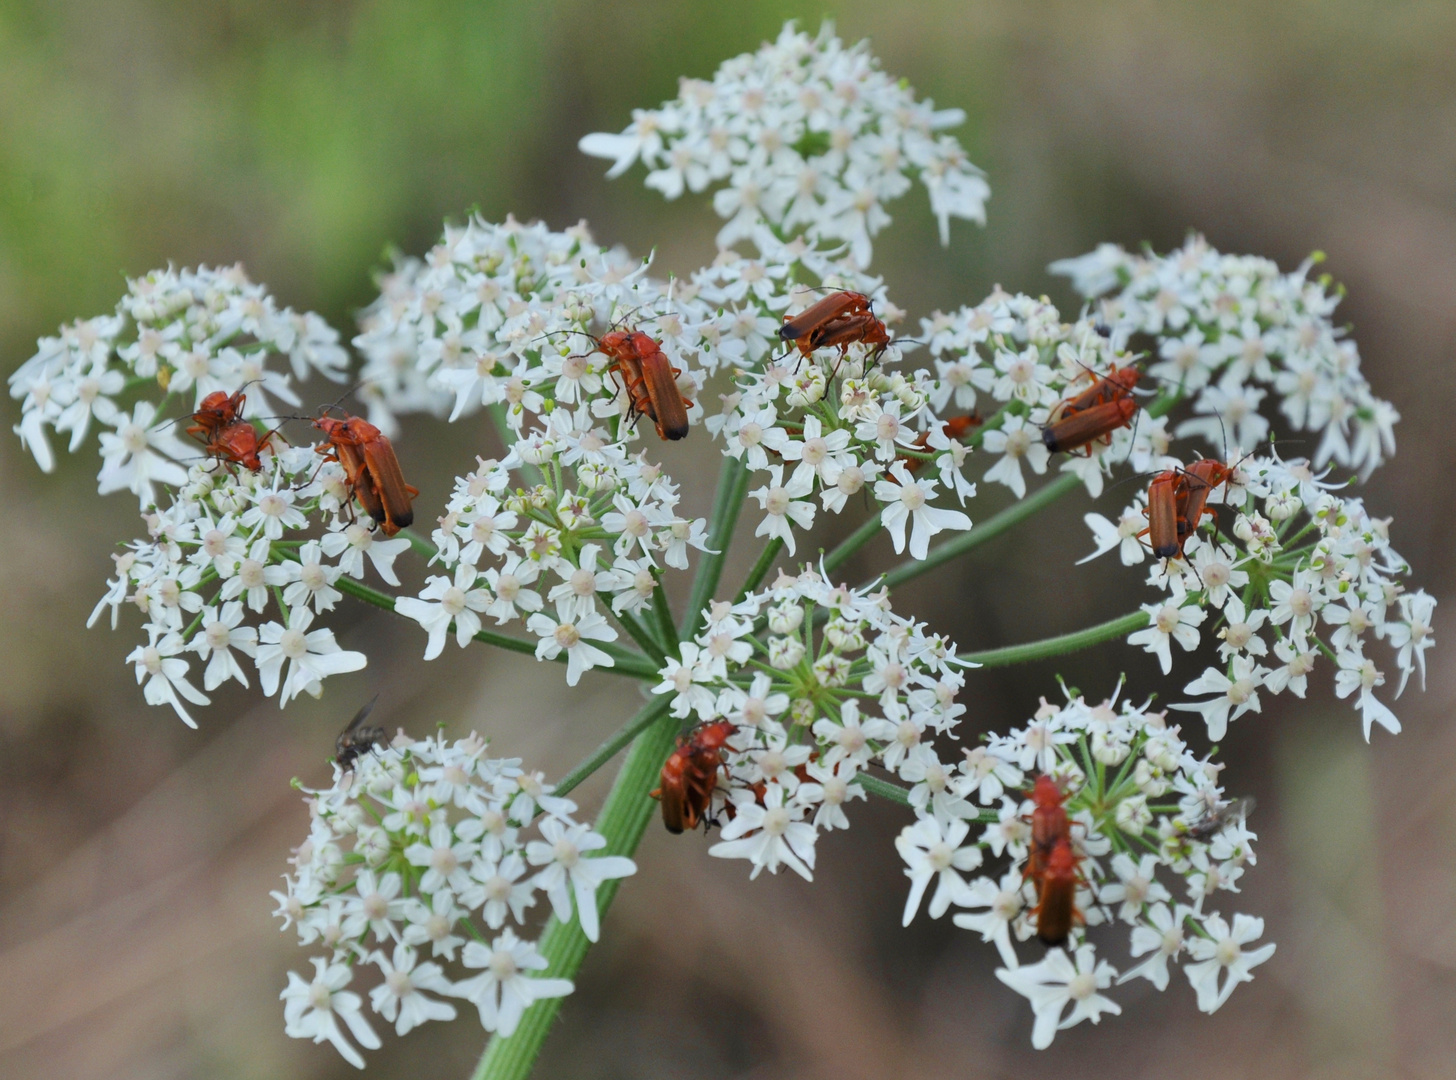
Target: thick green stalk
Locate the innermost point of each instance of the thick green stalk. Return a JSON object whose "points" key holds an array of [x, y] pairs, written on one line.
{"points": [[883, 788], [623, 820], [1060, 645], [627, 663], [732, 490], [666, 631]]}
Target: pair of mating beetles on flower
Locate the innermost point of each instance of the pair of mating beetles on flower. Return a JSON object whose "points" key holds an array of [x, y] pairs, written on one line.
{"points": [[371, 469]]}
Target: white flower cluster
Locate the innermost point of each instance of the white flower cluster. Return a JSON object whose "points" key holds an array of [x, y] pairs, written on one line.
{"points": [[1301, 565], [1232, 327], [839, 683], [837, 425], [425, 848], [803, 136], [506, 314], [1140, 805], [226, 551], [176, 332], [1016, 350], [598, 528]]}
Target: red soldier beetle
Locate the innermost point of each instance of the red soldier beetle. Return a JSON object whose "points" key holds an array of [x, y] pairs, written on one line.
{"points": [[834, 306], [864, 329], [371, 470], [1049, 823], [224, 436], [840, 334], [1178, 502], [1165, 521], [836, 322], [1056, 911], [239, 444], [215, 412], [1116, 384], [649, 378], [690, 775], [1082, 428], [1200, 480]]}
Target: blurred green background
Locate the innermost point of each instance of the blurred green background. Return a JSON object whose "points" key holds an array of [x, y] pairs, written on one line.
{"points": [[302, 139]]}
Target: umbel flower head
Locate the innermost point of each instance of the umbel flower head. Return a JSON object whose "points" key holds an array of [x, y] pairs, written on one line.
{"points": [[184, 333], [1305, 578], [803, 135], [1230, 329], [424, 863], [821, 682]]}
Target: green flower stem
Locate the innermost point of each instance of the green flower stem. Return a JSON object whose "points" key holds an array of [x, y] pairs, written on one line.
{"points": [[633, 665], [640, 634], [421, 546], [892, 792], [1060, 645], [852, 543], [760, 569], [666, 631], [644, 719], [727, 502], [623, 820], [883, 788]]}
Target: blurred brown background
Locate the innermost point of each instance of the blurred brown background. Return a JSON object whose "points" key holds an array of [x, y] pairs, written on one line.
{"points": [[135, 855]]}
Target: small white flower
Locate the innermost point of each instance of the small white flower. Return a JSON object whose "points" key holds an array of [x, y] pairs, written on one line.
{"points": [[571, 633], [907, 501], [1123, 536], [165, 674], [932, 849], [1056, 982], [313, 1010], [1017, 441], [570, 872], [1223, 952], [1164, 937], [768, 835], [1003, 904], [442, 602], [783, 505], [504, 990], [401, 992], [445, 860], [1169, 622], [1356, 672], [1236, 695], [354, 542], [220, 633], [311, 656]]}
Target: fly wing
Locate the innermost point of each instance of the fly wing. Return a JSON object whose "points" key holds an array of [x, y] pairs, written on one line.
{"points": [[359, 717]]}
